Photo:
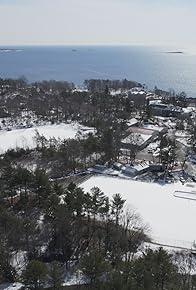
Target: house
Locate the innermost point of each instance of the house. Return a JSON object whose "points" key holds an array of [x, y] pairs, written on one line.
{"points": [[117, 166], [132, 122], [138, 138], [99, 168], [129, 171], [168, 110], [138, 97], [141, 168], [156, 128]]}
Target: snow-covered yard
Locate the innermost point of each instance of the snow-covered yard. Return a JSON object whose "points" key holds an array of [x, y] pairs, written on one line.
{"points": [[11, 286], [172, 220], [23, 138]]}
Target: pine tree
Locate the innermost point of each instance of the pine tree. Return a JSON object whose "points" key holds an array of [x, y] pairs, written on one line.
{"points": [[117, 207], [42, 187], [97, 201], [35, 274], [154, 270], [94, 266], [56, 275]]}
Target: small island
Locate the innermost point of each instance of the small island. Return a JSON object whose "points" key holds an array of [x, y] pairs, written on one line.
{"points": [[175, 52], [10, 50]]}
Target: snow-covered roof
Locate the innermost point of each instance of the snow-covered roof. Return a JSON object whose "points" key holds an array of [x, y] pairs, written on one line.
{"points": [[155, 102], [138, 93], [129, 170], [167, 122], [118, 165], [154, 145], [153, 127], [188, 110], [165, 107], [132, 122], [143, 131], [141, 166], [116, 92], [181, 134], [136, 139], [184, 142]]}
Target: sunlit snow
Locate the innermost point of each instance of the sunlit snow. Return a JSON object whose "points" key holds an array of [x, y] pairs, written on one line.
{"points": [[23, 138], [172, 220]]}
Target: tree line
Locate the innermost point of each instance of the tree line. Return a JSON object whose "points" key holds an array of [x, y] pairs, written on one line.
{"points": [[58, 101], [98, 86]]}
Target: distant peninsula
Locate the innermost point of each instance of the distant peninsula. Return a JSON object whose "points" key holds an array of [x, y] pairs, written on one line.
{"points": [[175, 52]]}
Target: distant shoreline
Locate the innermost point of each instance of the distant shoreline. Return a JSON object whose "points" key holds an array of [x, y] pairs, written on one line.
{"points": [[147, 65]]}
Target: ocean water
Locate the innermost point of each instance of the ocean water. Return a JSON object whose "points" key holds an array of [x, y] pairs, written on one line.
{"points": [[148, 65]]}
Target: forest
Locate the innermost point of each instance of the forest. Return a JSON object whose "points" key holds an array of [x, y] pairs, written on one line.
{"points": [[61, 231], [50, 230]]}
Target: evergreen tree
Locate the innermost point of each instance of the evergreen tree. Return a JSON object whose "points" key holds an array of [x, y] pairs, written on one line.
{"points": [[117, 207], [97, 201], [35, 274], [56, 275], [154, 270], [94, 266], [7, 272], [42, 187]]}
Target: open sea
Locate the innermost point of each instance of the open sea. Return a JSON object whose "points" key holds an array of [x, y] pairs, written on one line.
{"points": [[148, 65]]}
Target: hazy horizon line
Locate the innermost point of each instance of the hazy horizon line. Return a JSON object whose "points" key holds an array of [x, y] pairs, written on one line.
{"points": [[98, 44]]}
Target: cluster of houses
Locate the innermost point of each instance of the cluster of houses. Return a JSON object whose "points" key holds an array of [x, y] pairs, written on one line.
{"points": [[121, 170], [141, 98], [136, 137], [169, 110], [139, 137], [141, 134]]}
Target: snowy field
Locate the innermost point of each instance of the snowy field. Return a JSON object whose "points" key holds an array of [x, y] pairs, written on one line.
{"points": [[172, 220], [23, 138]]}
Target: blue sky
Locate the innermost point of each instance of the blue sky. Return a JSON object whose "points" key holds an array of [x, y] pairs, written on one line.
{"points": [[149, 22]]}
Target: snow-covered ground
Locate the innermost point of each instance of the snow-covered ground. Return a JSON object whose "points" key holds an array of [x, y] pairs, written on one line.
{"points": [[75, 279], [186, 195], [19, 261], [171, 219], [11, 286], [23, 138]]}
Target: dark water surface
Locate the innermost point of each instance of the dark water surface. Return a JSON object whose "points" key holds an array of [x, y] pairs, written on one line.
{"points": [[148, 65]]}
